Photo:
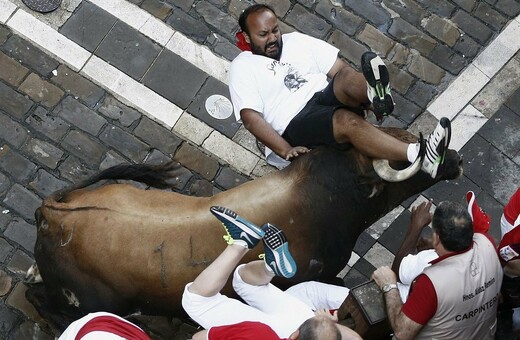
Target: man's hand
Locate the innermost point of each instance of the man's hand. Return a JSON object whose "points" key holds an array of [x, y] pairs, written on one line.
{"points": [[326, 314], [421, 216], [384, 276], [295, 152]]}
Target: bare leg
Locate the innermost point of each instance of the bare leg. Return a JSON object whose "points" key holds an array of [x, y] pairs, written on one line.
{"points": [[256, 273], [350, 127], [214, 277], [350, 87]]}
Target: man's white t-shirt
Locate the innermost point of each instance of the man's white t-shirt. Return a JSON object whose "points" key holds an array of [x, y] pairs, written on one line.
{"points": [[280, 89], [411, 266]]}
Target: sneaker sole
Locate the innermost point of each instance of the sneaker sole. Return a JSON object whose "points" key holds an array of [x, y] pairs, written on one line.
{"points": [[377, 77], [225, 216], [284, 261]]}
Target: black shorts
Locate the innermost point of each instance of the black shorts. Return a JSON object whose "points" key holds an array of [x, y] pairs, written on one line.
{"points": [[312, 126]]}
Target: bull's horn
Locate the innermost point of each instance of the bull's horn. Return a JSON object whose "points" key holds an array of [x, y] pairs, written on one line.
{"points": [[386, 172]]}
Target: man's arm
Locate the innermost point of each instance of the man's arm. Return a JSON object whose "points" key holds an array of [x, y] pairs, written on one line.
{"points": [[421, 217], [403, 326], [265, 133]]}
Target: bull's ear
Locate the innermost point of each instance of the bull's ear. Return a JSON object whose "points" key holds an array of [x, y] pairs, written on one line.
{"points": [[386, 172]]}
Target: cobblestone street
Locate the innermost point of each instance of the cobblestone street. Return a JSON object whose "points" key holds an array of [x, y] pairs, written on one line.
{"points": [[99, 83]]}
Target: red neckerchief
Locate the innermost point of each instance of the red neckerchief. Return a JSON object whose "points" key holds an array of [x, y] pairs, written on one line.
{"points": [[241, 42], [112, 325]]}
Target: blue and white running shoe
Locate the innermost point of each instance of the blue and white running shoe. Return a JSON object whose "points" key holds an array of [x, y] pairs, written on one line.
{"points": [[277, 255], [238, 230]]}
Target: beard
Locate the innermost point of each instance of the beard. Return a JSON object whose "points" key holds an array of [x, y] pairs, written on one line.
{"points": [[276, 54]]}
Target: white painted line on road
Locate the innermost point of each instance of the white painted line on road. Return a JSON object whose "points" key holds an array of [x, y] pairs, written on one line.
{"points": [[49, 40], [157, 30], [224, 148], [459, 93], [132, 92], [192, 129], [7, 8], [124, 11], [465, 125]]}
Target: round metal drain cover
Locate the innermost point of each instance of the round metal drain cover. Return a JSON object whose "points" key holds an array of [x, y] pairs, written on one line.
{"points": [[42, 6], [219, 107]]}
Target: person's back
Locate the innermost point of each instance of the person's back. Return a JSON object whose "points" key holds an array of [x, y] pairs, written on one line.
{"points": [[467, 286]]}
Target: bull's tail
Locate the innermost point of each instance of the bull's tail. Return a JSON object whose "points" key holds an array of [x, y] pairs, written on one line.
{"points": [[153, 175]]}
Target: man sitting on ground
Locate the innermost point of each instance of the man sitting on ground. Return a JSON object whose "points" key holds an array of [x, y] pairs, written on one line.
{"points": [[300, 312], [280, 91]]}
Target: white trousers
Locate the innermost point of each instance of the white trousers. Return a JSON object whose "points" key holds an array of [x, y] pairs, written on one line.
{"points": [[283, 311]]}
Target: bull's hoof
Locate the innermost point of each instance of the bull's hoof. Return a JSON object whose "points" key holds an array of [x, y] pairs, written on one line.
{"points": [[33, 275]]}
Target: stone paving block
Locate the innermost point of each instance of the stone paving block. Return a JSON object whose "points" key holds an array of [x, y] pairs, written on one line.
{"points": [[411, 36], [127, 144], [491, 17], [197, 108], [349, 48], [513, 103], [4, 34], [79, 87], [223, 47], [18, 300], [30, 330], [247, 140], [5, 282], [440, 7], [45, 183], [12, 71], [111, 159], [232, 153], [339, 17], [376, 40], [195, 160], [396, 232], [409, 10], [201, 188], [78, 114], [41, 91], [114, 109], [84, 147], [452, 62], [421, 93], [492, 170], [157, 136], [174, 78], [467, 5], [25, 203], [6, 9], [499, 89], [236, 7], [11, 131], [371, 11], [307, 22], [378, 228], [399, 54], [8, 319], [5, 249], [467, 47], [442, 29], [216, 18], [400, 80], [452, 190], [405, 109], [509, 7], [13, 102], [354, 278], [157, 30], [379, 256], [156, 8], [45, 153], [20, 263], [280, 6], [74, 171], [503, 131], [192, 129], [394, 122], [363, 243], [128, 50], [227, 178], [182, 177], [32, 57], [364, 267], [124, 11], [88, 26], [425, 69], [191, 27], [183, 4], [494, 209], [19, 167], [5, 184], [49, 125], [473, 27]]}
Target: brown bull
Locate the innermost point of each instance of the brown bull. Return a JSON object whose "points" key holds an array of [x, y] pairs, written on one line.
{"points": [[121, 249]]}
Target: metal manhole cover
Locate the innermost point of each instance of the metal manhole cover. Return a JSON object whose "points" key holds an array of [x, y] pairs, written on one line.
{"points": [[219, 107], [42, 6]]}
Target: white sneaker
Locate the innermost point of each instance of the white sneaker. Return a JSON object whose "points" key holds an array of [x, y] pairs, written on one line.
{"points": [[436, 147]]}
